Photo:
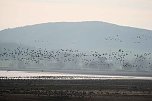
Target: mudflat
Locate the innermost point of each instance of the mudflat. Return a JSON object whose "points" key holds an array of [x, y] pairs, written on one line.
{"points": [[75, 90]]}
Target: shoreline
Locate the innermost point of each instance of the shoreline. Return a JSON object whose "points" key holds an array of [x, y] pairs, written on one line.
{"points": [[65, 76]]}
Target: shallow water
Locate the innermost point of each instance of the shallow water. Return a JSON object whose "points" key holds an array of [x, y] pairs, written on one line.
{"points": [[60, 75]]}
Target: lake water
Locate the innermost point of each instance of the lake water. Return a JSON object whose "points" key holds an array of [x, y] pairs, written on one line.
{"points": [[60, 75]]}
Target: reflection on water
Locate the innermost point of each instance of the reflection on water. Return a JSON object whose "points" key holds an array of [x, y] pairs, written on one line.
{"points": [[61, 76]]}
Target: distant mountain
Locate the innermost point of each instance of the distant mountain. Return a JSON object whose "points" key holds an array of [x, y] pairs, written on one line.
{"points": [[89, 45], [89, 35]]}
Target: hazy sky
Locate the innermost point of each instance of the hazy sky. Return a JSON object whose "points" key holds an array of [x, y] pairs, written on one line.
{"points": [[15, 13]]}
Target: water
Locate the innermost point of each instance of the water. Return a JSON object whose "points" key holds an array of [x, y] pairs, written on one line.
{"points": [[62, 76]]}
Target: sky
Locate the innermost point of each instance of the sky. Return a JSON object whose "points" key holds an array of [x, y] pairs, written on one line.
{"points": [[135, 13]]}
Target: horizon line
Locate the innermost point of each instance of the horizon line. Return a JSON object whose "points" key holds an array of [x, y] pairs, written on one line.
{"points": [[77, 22]]}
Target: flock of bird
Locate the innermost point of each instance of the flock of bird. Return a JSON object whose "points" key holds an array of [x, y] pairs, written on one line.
{"points": [[141, 38], [76, 59], [138, 39], [114, 38]]}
